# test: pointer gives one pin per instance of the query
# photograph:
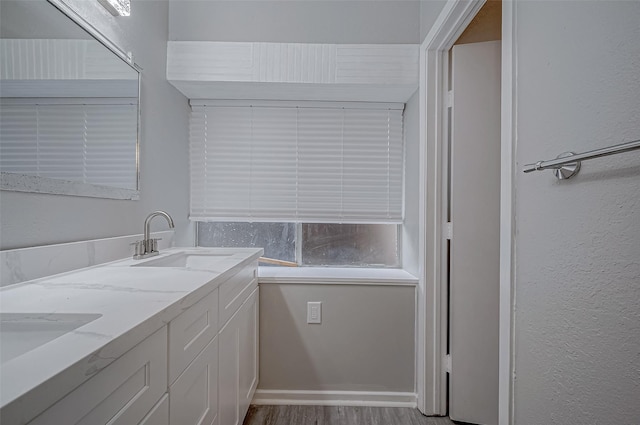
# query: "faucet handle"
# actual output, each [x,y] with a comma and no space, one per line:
[138,247]
[154,244]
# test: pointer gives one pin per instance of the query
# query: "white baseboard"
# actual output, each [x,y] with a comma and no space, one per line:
[335,398]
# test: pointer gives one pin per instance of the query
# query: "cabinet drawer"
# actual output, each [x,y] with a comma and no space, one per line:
[194,395]
[120,394]
[190,332]
[159,415]
[235,290]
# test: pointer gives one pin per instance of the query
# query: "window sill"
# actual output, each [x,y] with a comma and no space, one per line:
[336,276]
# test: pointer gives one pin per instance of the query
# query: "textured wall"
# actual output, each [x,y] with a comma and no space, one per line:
[29,219]
[365,341]
[309,21]
[577,325]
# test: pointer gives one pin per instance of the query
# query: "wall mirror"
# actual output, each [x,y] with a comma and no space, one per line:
[69,106]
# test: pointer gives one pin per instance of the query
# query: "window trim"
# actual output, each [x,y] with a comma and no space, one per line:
[336,276]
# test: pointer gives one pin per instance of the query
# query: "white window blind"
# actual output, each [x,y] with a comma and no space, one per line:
[296,163]
[89,143]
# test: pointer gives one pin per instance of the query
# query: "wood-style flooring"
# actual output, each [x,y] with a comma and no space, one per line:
[338,415]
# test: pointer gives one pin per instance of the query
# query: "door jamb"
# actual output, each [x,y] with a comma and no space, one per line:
[432,306]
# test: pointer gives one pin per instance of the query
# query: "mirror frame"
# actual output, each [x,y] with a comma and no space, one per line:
[34,184]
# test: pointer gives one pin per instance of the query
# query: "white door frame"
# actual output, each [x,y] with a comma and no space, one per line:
[508,139]
[431,365]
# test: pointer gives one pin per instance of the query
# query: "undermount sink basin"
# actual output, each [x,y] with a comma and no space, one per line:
[184,259]
[23,332]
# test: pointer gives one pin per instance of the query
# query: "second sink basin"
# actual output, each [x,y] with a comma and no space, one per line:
[184,259]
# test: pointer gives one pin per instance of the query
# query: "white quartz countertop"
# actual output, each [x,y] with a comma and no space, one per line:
[132,303]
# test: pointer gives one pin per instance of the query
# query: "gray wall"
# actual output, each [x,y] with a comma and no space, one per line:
[34,219]
[311,21]
[364,343]
[429,11]
[577,323]
[36,19]
[410,229]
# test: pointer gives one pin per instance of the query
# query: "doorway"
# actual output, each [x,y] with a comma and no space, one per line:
[450,345]
[473,189]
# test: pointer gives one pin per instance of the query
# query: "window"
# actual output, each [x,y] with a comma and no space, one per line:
[320,244]
[318,184]
[277,239]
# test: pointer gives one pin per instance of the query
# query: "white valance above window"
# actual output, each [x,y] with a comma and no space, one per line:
[297,163]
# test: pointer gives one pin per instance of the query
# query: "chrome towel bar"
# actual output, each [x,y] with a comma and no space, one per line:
[567,164]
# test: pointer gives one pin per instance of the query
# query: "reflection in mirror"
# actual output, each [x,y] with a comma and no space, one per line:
[68,107]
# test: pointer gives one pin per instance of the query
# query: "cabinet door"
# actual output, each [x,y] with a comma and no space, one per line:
[248,337]
[194,395]
[229,373]
[159,415]
[238,362]
[120,394]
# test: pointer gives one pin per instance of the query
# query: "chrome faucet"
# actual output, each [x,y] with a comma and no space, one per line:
[148,247]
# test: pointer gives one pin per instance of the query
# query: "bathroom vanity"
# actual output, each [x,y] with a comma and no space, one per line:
[169,340]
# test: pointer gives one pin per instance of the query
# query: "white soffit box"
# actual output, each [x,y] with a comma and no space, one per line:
[293,71]
[63,68]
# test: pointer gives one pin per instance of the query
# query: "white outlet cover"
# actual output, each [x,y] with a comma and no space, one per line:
[314,312]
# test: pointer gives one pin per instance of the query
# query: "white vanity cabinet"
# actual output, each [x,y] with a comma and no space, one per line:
[200,369]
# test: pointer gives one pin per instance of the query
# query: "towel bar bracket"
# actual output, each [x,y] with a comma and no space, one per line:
[566,171]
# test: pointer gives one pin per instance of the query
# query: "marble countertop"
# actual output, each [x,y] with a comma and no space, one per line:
[133,302]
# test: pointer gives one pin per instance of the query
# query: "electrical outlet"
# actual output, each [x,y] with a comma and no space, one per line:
[314,312]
